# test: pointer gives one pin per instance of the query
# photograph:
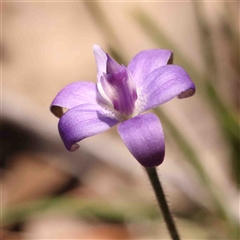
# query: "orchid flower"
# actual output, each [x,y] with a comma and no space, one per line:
[122,95]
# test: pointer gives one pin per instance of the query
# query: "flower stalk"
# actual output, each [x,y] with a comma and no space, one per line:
[158,190]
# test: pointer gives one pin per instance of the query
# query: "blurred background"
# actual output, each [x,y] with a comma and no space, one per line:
[100,191]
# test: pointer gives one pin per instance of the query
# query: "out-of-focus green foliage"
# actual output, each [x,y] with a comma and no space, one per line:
[84,208]
[229,122]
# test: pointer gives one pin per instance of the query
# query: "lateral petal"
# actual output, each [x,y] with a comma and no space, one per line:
[143,136]
[147,61]
[162,85]
[84,121]
[72,95]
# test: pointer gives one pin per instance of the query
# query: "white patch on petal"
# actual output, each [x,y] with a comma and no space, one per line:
[107,105]
[140,103]
[131,83]
[111,112]
[103,94]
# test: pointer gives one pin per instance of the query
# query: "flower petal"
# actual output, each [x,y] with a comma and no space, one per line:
[74,94]
[101,60]
[143,136]
[120,89]
[162,85]
[147,61]
[84,121]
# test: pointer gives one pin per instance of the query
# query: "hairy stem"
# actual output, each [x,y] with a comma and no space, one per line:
[157,187]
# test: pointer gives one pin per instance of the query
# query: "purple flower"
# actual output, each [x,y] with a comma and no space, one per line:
[121,95]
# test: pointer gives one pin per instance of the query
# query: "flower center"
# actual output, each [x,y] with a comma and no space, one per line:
[118,88]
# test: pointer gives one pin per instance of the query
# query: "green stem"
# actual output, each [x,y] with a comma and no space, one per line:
[157,187]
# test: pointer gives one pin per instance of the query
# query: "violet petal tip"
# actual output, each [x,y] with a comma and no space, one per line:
[74,147]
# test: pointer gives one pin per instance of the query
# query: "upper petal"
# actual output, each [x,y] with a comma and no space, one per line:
[143,136]
[162,85]
[101,60]
[72,95]
[120,89]
[84,121]
[147,61]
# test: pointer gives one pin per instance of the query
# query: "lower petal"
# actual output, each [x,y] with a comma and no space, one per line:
[84,121]
[143,136]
